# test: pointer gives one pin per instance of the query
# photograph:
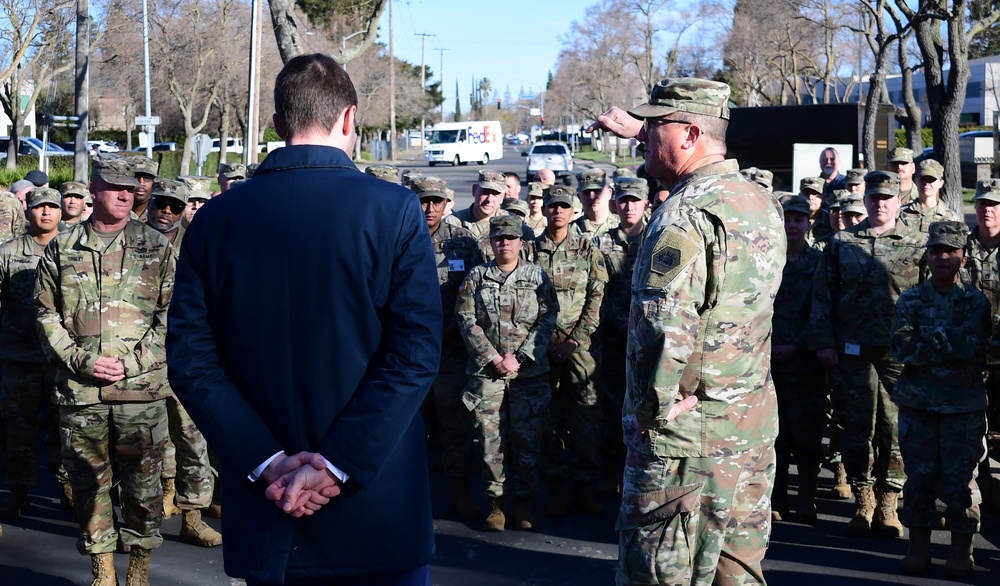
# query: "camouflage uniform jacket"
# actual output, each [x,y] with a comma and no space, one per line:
[480,229]
[910,195]
[537,225]
[93,302]
[589,230]
[502,314]
[620,252]
[13,222]
[456,252]
[791,312]
[576,269]
[982,271]
[700,324]
[857,282]
[917,217]
[940,339]
[820,231]
[19,337]
[144,216]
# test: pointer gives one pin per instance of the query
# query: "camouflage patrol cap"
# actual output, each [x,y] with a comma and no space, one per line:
[622,172]
[43,195]
[117,171]
[430,187]
[882,183]
[233,170]
[388,173]
[591,179]
[761,177]
[930,168]
[171,188]
[988,189]
[450,193]
[853,203]
[815,184]
[199,188]
[74,188]
[837,197]
[506,226]
[560,194]
[251,169]
[631,187]
[900,155]
[515,206]
[685,94]
[411,175]
[145,165]
[492,180]
[795,203]
[536,189]
[856,177]
[950,233]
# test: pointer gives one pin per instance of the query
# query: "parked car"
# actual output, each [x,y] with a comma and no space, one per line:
[233,145]
[550,155]
[158,147]
[102,146]
[32,146]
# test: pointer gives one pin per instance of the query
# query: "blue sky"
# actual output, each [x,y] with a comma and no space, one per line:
[514,43]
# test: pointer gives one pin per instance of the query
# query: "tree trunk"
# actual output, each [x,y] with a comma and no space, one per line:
[290,45]
[912,121]
[875,85]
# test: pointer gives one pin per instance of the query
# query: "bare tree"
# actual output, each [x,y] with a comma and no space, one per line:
[363,13]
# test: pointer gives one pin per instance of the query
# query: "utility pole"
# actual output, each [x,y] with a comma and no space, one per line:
[441,73]
[82,102]
[423,83]
[150,129]
[253,92]
[392,93]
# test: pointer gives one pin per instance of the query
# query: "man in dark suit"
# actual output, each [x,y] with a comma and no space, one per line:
[304,355]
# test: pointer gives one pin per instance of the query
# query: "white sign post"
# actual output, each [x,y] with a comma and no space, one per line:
[149,126]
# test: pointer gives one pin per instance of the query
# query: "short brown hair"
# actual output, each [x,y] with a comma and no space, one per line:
[310,92]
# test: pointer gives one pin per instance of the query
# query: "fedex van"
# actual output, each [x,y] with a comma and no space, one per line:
[460,142]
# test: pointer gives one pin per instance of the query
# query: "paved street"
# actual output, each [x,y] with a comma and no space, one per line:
[39,549]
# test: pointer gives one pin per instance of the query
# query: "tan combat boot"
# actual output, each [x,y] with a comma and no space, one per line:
[138,567]
[584,500]
[889,525]
[960,563]
[66,500]
[523,518]
[17,503]
[194,531]
[861,524]
[918,555]
[496,519]
[461,501]
[841,490]
[103,565]
[169,494]
[558,501]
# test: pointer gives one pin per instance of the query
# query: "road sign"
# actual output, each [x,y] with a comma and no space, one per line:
[147,120]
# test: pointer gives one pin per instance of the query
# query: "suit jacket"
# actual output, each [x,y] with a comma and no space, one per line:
[316,328]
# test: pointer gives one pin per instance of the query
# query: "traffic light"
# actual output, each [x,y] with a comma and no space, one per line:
[543,120]
[498,104]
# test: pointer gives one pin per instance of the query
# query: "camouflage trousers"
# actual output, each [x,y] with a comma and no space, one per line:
[802,419]
[942,454]
[25,388]
[127,438]
[695,521]
[570,446]
[510,418]
[185,458]
[455,422]
[869,443]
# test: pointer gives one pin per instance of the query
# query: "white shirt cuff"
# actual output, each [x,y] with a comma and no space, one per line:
[337,472]
[253,476]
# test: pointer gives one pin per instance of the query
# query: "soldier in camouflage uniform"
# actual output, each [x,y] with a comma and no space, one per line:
[901,163]
[188,481]
[833,210]
[700,414]
[456,252]
[982,271]
[409,176]
[388,173]
[74,202]
[595,195]
[799,378]
[853,210]
[536,217]
[12,220]
[576,269]
[199,192]
[506,311]
[855,181]
[761,177]
[819,229]
[487,195]
[620,248]
[28,379]
[102,294]
[940,334]
[515,207]
[928,208]
[145,173]
[230,172]
[863,271]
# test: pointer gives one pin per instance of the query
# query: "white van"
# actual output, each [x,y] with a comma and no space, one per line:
[460,142]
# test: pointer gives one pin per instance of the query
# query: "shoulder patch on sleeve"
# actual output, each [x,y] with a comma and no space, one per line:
[674,251]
